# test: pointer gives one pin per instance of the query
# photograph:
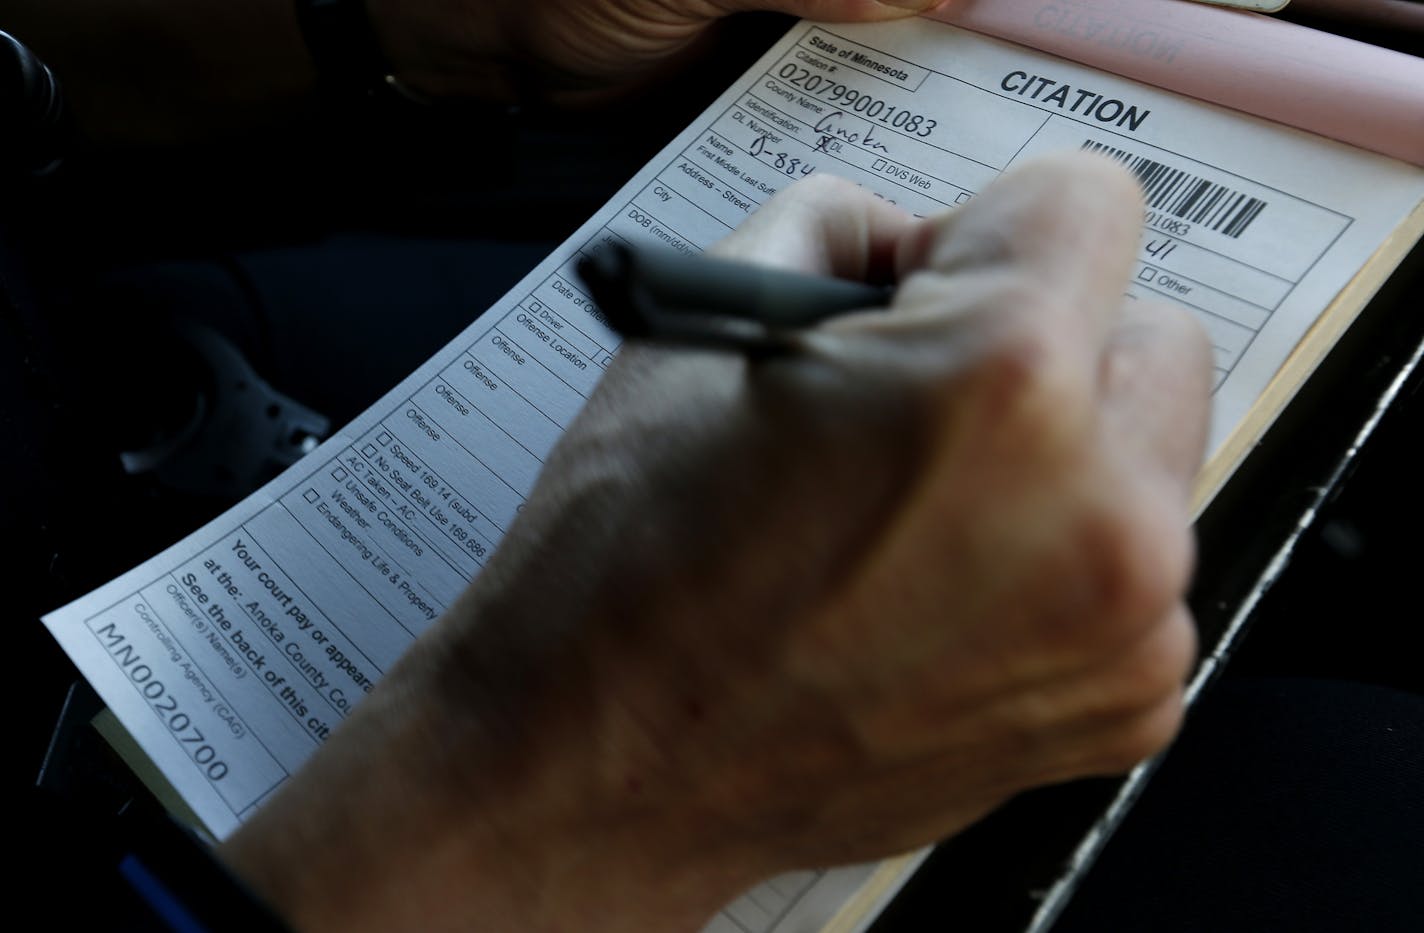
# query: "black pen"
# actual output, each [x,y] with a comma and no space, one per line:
[661,294]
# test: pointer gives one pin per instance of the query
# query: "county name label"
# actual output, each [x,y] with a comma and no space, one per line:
[234,654]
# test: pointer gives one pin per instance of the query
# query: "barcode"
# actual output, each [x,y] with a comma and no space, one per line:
[1187,196]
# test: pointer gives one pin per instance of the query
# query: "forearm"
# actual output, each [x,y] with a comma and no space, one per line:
[484,787]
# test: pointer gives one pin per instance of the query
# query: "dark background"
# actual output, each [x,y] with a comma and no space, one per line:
[271,238]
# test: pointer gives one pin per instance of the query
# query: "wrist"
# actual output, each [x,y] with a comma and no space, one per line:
[574,807]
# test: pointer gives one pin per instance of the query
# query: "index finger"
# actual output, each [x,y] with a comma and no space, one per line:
[1066,227]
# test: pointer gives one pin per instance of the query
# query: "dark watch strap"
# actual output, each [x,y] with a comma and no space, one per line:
[343,46]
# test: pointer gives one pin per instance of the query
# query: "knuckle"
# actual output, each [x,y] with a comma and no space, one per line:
[1153,670]
[1141,736]
[1134,561]
[1023,384]
[964,244]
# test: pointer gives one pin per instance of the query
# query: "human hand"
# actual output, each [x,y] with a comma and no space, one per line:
[800,610]
[573,50]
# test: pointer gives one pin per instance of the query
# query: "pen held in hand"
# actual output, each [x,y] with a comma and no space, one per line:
[663,295]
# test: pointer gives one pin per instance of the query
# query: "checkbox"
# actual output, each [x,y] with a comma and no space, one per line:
[311,495]
[535,306]
[877,165]
[1147,274]
[339,474]
[369,450]
[962,197]
[383,438]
